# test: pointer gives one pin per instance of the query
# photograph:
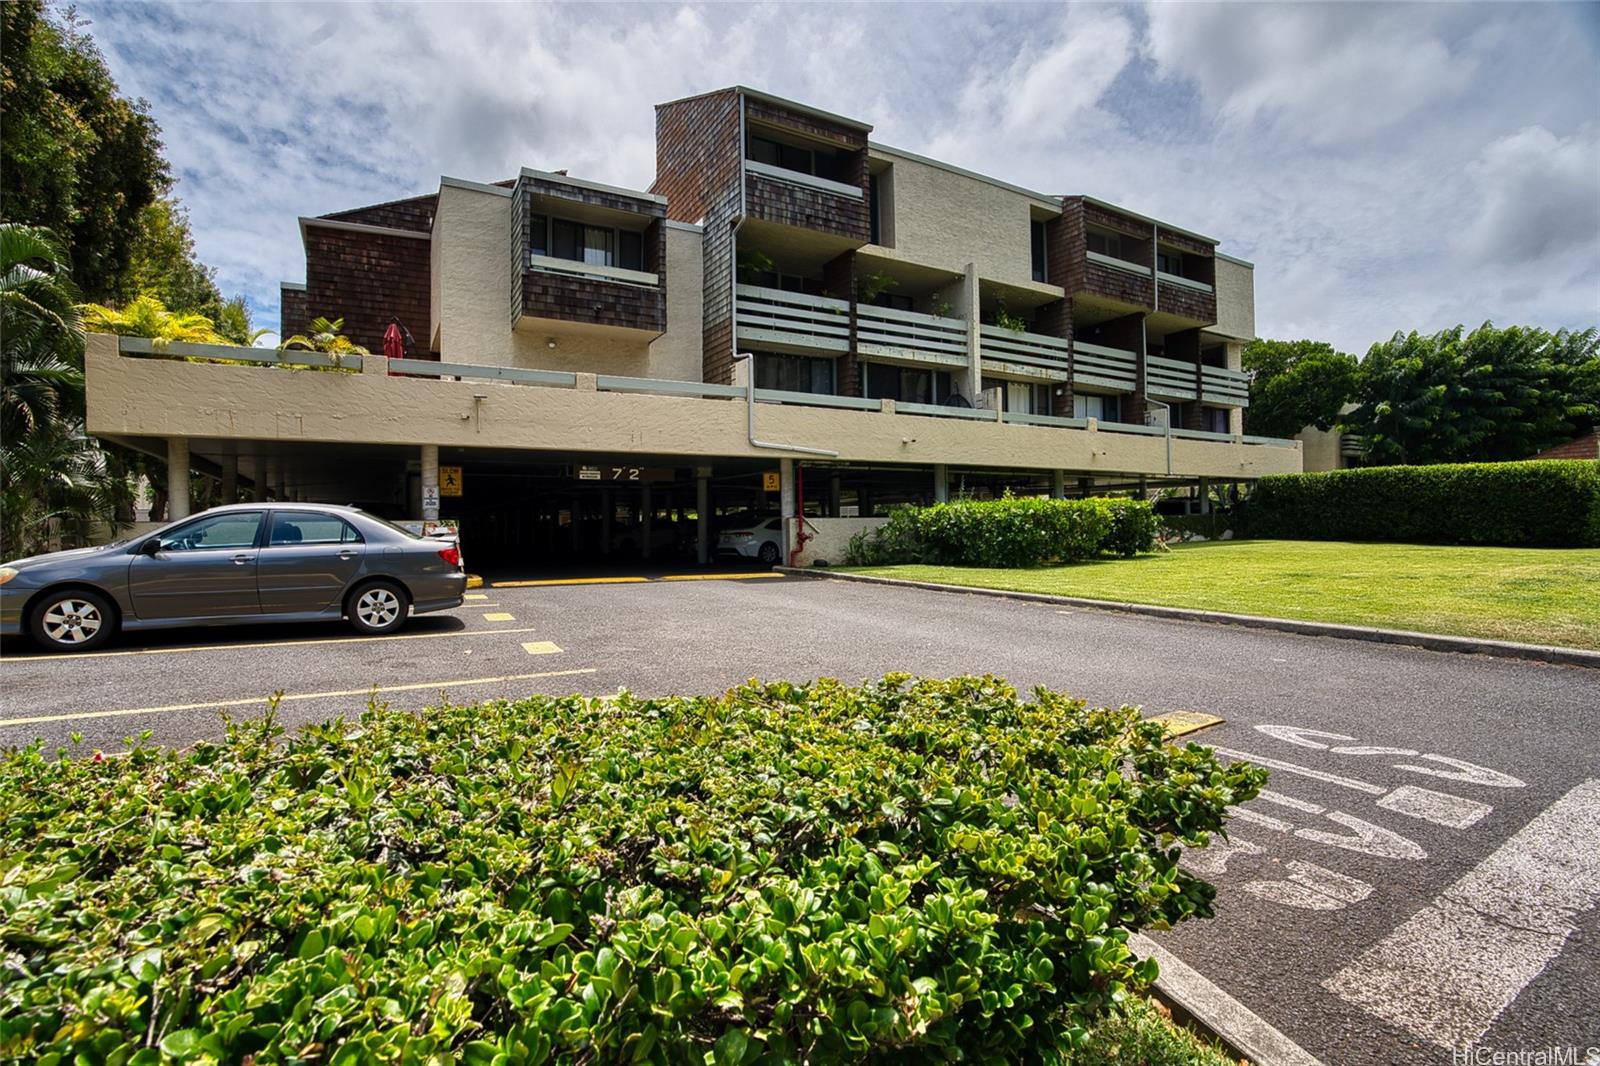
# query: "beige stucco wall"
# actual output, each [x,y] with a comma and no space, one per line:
[472,302]
[1320,449]
[1236,300]
[946,220]
[830,537]
[142,397]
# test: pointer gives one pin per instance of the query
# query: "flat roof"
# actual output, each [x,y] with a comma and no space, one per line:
[1146,218]
[780,101]
[584,183]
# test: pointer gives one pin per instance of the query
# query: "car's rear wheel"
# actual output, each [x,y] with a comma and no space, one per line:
[73,620]
[377,607]
[769,553]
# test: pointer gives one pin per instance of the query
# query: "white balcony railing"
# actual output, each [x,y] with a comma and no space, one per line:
[1032,351]
[883,331]
[808,181]
[1105,368]
[792,319]
[1170,378]
[551,265]
[1223,386]
[1187,283]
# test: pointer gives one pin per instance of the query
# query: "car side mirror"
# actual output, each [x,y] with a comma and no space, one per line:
[150,547]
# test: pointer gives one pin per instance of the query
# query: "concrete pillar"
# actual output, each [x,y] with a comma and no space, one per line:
[968,308]
[786,503]
[230,479]
[1086,486]
[1205,495]
[177,478]
[702,514]
[941,483]
[647,514]
[608,512]
[1058,484]
[430,482]
[835,496]
[258,480]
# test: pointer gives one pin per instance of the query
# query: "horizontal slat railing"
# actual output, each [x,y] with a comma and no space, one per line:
[886,331]
[1169,377]
[1220,385]
[774,316]
[427,368]
[231,353]
[1107,368]
[1029,349]
[940,411]
[665,386]
[816,399]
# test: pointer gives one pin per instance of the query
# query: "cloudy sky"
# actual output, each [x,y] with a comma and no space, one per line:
[1386,167]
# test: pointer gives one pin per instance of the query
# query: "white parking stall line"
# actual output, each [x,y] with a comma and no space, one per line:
[1447,972]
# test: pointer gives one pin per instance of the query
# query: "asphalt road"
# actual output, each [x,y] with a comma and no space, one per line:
[1424,872]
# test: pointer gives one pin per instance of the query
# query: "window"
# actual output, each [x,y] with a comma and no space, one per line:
[773,279]
[820,162]
[877,226]
[896,301]
[1102,408]
[1170,262]
[1020,397]
[310,527]
[885,382]
[794,373]
[1039,265]
[562,238]
[1103,243]
[1215,419]
[235,529]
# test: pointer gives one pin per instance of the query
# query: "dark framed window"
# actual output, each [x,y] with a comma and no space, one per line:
[794,373]
[877,226]
[1104,243]
[1215,419]
[895,301]
[539,234]
[901,383]
[563,238]
[820,162]
[1170,262]
[630,250]
[1039,265]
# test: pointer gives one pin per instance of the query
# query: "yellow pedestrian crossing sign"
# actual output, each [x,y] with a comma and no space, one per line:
[449,481]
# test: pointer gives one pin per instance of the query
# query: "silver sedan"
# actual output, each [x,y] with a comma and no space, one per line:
[237,564]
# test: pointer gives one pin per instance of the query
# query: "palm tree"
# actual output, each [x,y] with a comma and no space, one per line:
[41,359]
[54,480]
[325,337]
[148,317]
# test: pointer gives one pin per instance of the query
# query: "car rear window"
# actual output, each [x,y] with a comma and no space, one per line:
[311,527]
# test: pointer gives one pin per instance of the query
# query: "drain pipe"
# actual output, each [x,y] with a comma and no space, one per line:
[800,535]
[1167,408]
[750,414]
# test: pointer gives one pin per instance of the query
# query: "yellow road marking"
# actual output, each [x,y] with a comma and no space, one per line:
[474,581]
[567,581]
[499,616]
[476,596]
[354,639]
[1180,723]
[539,647]
[40,718]
[718,577]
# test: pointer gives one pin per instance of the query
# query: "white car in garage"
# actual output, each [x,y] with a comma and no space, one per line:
[763,540]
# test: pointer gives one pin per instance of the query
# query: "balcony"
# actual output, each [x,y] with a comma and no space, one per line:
[1223,387]
[1171,379]
[1186,298]
[797,200]
[791,321]
[1027,354]
[911,336]
[1120,280]
[1099,367]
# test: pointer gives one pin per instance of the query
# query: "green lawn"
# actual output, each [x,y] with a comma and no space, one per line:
[1536,595]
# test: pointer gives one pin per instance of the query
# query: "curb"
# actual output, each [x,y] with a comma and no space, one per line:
[1503,649]
[1230,1021]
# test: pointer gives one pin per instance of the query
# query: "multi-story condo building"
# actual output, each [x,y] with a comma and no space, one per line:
[578,356]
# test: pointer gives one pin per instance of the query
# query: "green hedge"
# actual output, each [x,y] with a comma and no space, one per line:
[1544,504]
[1007,533]
[921,871]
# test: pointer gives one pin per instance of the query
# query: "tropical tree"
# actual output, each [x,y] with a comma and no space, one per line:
[55,482]
[233,323]
[146,316]
[1295,384]
[324,336]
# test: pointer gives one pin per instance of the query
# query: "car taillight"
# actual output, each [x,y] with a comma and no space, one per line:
[451,556]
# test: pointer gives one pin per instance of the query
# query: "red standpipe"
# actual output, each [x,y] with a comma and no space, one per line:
[801,536]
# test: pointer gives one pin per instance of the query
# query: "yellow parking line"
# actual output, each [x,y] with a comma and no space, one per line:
[499,616]
[718,577]
[354,639]
[567,581]
[40,718]
[1180,723]
[476,596]
[540,647]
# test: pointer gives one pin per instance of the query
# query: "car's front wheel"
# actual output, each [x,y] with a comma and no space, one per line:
[377,607]
[73,620]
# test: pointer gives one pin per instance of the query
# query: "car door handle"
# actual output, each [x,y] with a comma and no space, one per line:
[240,560]
[347,554]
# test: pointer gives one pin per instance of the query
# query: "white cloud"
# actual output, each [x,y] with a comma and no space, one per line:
[1386,167]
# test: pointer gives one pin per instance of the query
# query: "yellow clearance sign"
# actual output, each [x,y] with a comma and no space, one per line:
[769,481]
[450,481]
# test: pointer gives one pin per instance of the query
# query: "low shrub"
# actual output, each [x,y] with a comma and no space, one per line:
[1541,504]
[908,870]
[1007,533]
